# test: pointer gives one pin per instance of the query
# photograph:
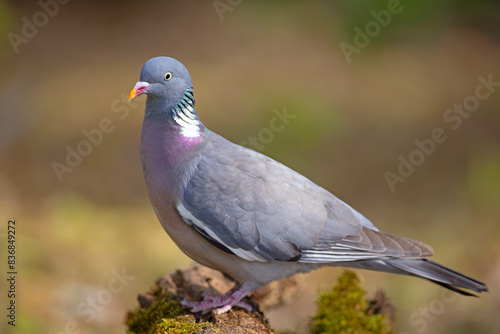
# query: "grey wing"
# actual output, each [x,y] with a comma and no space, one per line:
[248,204]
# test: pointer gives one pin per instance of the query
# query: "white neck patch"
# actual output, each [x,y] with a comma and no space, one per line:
[185,116]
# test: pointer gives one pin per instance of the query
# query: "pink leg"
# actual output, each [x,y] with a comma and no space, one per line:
[226,302]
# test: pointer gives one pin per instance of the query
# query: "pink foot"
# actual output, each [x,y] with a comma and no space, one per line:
[225,303]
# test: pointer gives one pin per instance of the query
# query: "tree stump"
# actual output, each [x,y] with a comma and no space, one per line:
[160,310]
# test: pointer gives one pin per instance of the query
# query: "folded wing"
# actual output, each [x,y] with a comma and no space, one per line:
[260,210]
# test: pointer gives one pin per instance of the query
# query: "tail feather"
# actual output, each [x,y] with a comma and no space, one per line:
[438,274]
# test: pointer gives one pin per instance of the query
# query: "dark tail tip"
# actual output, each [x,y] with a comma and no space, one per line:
[439,274]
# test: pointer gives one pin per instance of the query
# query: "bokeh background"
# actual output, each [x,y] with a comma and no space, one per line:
[353,118]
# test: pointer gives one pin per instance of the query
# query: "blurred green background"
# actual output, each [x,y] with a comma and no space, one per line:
[353,119]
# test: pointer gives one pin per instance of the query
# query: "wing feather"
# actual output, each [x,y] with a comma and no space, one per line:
[261,210]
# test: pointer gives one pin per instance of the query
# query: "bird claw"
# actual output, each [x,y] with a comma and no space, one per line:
[226,308]
[206,306]
[221,304]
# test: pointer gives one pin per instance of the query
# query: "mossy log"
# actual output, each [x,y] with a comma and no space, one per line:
[342,308]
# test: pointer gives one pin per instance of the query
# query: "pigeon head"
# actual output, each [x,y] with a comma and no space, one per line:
[165,81]
[169,88]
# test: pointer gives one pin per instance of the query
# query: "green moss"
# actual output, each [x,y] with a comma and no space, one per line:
[344,310]
[181,324]
[164,316]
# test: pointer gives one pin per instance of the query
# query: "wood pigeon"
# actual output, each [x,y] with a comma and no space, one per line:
[247,215]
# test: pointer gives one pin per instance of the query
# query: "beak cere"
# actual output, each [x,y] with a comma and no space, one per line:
[139,89]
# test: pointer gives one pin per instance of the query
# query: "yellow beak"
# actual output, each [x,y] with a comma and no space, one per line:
[132,95]
[139,89]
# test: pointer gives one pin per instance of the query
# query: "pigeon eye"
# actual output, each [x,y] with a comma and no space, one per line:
[168,76]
